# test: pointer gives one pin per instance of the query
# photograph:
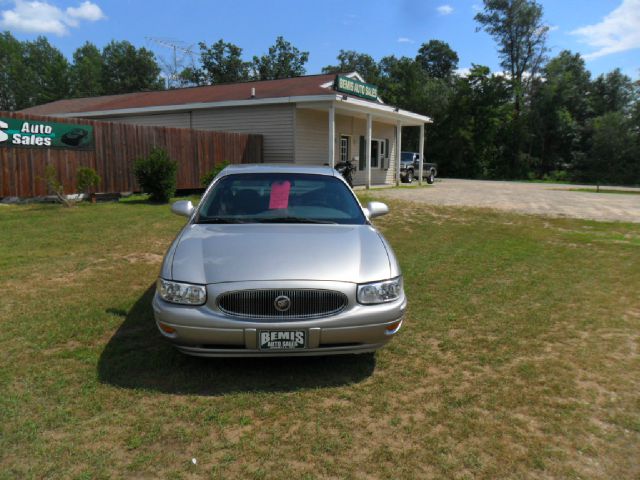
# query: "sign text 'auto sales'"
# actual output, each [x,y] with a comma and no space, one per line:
[15,132]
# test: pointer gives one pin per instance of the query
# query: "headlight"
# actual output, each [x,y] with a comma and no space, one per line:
[380,292]
[182,293]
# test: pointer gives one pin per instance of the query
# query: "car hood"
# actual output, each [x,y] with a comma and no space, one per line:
[230,253]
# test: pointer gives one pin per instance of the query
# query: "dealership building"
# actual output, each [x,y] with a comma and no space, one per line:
[310,120]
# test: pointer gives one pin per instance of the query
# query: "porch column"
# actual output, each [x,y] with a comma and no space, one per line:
[398,150]
[368,150]
[332,135]
[421,154]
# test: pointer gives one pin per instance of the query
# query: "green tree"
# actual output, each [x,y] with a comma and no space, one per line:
[221,63]
[635,111]
[468,139]
[615,149]
[282,61]
[46,73]
[402,82]
[127,69]
[13,94]
[613,92]
[352,61]
[86,71]
[437,59]
[517,27]
[560,109]
[190,76]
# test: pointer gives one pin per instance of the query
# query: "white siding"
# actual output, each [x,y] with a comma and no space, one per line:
[274,122]
[290,135]
[312,136]
[177,120]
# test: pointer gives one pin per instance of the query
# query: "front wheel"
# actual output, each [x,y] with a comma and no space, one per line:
[431,178]
[408,177]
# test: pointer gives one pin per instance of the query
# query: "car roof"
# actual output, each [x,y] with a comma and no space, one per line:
[278,168]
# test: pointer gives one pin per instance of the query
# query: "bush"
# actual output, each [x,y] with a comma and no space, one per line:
[157,175]
[557,176]
[208,178]
[55,187]
[88,178]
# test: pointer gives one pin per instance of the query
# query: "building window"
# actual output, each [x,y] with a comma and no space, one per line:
[345,148]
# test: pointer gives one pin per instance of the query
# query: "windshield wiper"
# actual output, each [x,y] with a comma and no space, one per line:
[219,220]
[293,220]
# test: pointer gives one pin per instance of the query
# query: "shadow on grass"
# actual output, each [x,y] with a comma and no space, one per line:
[138,201]
[138,357]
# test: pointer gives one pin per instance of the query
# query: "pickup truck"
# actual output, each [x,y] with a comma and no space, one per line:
[409,167]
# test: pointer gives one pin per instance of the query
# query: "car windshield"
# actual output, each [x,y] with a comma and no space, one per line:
[406,157]
[280,198]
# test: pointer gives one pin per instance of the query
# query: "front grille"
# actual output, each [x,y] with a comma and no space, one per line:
[304,303]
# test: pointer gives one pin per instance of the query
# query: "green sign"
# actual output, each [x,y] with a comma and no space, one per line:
[17,132]
[356,87]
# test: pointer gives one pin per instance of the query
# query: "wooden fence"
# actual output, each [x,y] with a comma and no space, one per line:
[117,145]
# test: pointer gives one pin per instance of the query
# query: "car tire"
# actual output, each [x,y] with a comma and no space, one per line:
[408,178]
[431,178]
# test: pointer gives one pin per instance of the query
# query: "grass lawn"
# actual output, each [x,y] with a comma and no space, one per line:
[519,358]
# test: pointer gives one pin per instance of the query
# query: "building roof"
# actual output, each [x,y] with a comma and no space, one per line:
[286,87]
[311,89]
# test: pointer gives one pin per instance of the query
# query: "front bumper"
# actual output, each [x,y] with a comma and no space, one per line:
[403,172]
[208,332]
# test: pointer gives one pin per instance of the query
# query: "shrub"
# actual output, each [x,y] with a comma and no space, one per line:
[557,176]
[87,178]
[157,175]
[55,187]
[208,178]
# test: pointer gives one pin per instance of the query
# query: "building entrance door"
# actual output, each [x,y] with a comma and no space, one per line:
[375,153]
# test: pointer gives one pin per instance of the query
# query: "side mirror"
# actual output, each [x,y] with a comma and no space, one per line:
[377,209]
[183,207]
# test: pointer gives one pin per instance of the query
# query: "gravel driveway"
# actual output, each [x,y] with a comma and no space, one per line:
[534,198]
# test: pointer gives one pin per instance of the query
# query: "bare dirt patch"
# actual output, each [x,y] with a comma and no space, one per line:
[530,198]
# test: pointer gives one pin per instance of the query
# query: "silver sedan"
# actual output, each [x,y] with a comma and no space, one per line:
[279,260]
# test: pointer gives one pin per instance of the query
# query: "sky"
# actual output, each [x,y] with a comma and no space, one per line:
[605,32]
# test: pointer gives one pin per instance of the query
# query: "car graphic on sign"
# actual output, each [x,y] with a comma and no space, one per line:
[74,137]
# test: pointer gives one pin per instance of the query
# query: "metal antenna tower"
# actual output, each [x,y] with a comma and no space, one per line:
[177,62]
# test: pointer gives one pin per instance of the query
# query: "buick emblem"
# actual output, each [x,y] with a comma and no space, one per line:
[282,303]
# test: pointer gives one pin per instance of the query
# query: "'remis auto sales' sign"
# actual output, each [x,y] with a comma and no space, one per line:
[18,132]
[355,87]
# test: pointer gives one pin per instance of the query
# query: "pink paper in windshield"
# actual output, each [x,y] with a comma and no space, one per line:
[279,197]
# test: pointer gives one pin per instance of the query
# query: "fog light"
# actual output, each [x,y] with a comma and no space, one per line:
[393,328]
[167,328]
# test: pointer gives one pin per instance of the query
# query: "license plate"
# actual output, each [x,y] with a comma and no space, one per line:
[282,339]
